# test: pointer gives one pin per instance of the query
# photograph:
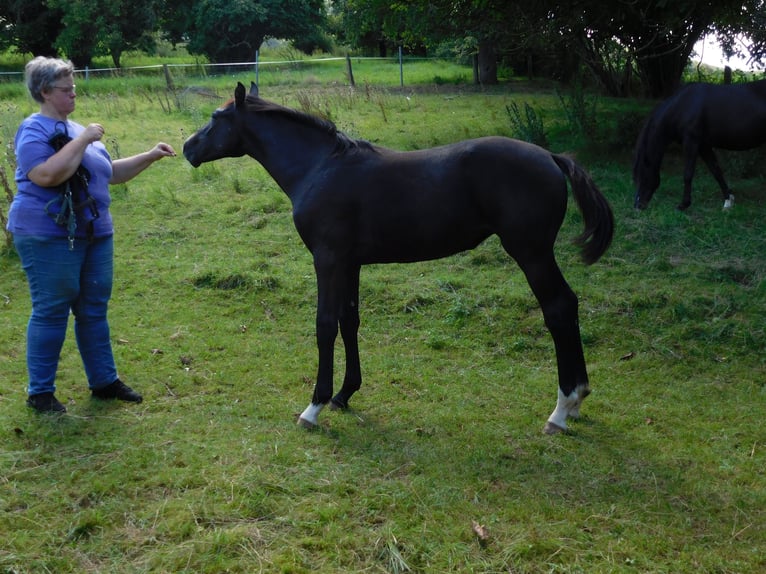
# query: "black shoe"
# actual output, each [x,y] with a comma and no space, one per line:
[117,390]
[45,403]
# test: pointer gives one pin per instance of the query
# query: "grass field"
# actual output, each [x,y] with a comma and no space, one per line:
[440,465]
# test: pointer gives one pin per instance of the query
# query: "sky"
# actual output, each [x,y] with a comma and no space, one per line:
[711,54]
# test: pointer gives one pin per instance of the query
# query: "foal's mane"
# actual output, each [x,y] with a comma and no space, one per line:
[343,143]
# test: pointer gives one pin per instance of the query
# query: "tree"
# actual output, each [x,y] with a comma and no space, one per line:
[743,32]
[175,19]
[30,26]
[79,35]
[485,22]
[231,30]
[482,23]
[653,37]
[361,24]
[94,28]
[646,40]
[131,26]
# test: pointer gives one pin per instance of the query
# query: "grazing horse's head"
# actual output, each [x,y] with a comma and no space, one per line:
[646,177]
[221,137]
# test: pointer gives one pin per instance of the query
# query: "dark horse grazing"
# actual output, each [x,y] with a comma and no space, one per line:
[700,117]
[355,203]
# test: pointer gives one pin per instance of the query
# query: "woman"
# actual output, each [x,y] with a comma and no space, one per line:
[68,260]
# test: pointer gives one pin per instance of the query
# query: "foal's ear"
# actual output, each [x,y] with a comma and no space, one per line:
[239,95]
[253,89]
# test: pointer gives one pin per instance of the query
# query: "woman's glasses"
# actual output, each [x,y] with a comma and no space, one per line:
[65,89]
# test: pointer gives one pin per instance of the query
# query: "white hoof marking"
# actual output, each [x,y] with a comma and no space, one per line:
[729,203]
[566,407]
[310,416]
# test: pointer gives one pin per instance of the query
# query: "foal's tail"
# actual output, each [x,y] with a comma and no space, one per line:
[596,212]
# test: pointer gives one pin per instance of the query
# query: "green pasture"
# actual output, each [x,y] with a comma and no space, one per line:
[441,464]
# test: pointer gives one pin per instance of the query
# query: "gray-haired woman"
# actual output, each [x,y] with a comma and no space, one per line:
[62,230]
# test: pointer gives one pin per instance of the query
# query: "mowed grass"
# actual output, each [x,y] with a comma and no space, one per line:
[440,465]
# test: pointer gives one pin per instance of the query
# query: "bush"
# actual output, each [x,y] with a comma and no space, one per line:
[527,126]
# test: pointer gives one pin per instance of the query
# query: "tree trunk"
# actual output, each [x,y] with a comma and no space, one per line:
[487,63]
[661,75]
[662,65]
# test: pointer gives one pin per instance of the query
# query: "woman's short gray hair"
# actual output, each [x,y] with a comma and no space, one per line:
[41,73]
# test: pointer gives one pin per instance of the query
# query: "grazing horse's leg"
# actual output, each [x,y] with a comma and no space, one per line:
[711,160]
[691,151]
[330,282]
[559,306]
[349,330]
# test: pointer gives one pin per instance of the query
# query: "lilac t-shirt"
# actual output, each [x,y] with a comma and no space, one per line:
[27,215]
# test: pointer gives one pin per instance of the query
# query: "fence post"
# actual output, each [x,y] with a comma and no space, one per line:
[349,71]
[256,67]
[401,68]
[168,78]
[727,75]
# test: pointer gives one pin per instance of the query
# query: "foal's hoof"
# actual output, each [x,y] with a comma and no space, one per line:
[553,428]
[303,423]
[338,405]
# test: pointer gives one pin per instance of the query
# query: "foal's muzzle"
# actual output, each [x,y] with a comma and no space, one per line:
[189,154]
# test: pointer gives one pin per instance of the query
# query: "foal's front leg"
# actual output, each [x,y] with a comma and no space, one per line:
[329,293]
[349,331]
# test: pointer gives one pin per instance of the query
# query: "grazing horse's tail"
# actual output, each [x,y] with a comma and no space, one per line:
[596,212]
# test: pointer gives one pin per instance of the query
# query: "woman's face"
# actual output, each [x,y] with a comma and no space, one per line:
[60,95]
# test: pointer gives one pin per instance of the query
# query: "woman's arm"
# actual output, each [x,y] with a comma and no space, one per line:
[61,165]
[127,168]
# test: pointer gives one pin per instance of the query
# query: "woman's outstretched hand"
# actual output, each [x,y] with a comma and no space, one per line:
[162,150]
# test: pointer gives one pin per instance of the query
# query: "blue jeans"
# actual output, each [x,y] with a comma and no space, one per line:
[63,280]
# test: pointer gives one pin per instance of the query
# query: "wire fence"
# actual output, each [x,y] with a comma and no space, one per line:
[345,66]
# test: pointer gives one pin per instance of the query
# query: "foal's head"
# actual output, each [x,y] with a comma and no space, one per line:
[221,136]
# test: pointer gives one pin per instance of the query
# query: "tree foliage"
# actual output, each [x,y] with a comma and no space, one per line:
[621,42]
[222,30]
[624,44]
[95,28]
[653,38]
[742,32]
[232,30]
[30,26]
[480,24]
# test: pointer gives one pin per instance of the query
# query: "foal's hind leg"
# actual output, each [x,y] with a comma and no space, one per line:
[559,306]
